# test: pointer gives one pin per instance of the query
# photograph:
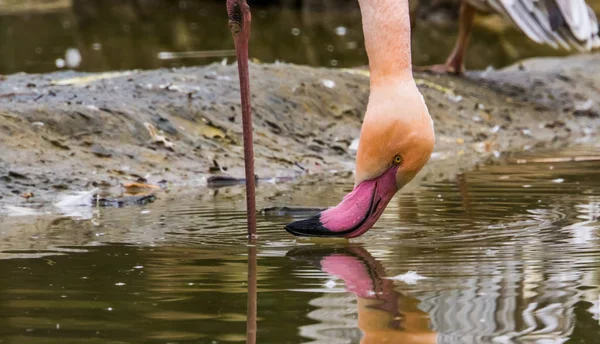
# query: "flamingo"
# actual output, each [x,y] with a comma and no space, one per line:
[558,23]
[397,135]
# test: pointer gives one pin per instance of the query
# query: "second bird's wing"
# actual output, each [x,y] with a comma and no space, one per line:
[558,23]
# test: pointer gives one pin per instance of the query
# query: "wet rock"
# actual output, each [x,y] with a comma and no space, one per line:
[165,125]
[100,151]
[124,201]
[555,124]
[223,181]
[17,175]
[590,113]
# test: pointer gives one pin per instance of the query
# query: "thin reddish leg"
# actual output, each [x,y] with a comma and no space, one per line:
[456,60]
[455,63]
[239,23]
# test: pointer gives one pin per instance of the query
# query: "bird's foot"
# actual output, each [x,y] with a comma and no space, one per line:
[440,69]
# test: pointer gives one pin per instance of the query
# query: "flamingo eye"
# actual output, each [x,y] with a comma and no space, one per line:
[397,160]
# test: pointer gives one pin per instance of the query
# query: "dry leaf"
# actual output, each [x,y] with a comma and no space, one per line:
[211,132]
[136,188]
[28,195]
[157,138]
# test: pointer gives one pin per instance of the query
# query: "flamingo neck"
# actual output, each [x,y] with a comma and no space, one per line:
[386,26]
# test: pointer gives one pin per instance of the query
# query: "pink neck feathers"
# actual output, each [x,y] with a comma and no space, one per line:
[386,26]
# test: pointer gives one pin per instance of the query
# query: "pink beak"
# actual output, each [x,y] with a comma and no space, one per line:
[357,212]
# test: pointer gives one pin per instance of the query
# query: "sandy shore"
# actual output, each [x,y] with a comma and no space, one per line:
[68,131]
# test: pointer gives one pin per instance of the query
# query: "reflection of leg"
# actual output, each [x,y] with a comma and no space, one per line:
[455,62]
[407,208]
[461,182]
[252,306]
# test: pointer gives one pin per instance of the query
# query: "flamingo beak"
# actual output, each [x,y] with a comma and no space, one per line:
[356,214]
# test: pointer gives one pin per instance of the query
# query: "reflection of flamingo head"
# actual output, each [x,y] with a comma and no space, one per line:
[384,315]
[362,274]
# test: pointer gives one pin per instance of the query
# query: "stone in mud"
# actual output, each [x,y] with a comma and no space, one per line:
[124,201]
[100,151]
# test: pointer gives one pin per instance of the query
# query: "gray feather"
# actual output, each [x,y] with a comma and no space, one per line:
[558,23]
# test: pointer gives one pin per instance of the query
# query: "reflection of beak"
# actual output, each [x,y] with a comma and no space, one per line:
[357,212]
[363,275]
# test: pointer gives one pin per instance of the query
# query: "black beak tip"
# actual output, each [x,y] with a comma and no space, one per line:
[311,227]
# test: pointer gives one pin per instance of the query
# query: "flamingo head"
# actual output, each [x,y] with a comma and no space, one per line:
[396,141]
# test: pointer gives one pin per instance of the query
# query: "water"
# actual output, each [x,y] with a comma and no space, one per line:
[109,35]
[509,253]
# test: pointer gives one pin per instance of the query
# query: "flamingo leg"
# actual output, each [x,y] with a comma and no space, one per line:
[239,23]
[455,64]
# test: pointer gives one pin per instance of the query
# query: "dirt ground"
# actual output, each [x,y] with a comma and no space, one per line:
[68,131]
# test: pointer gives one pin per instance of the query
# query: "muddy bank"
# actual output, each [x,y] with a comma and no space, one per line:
[69,131]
